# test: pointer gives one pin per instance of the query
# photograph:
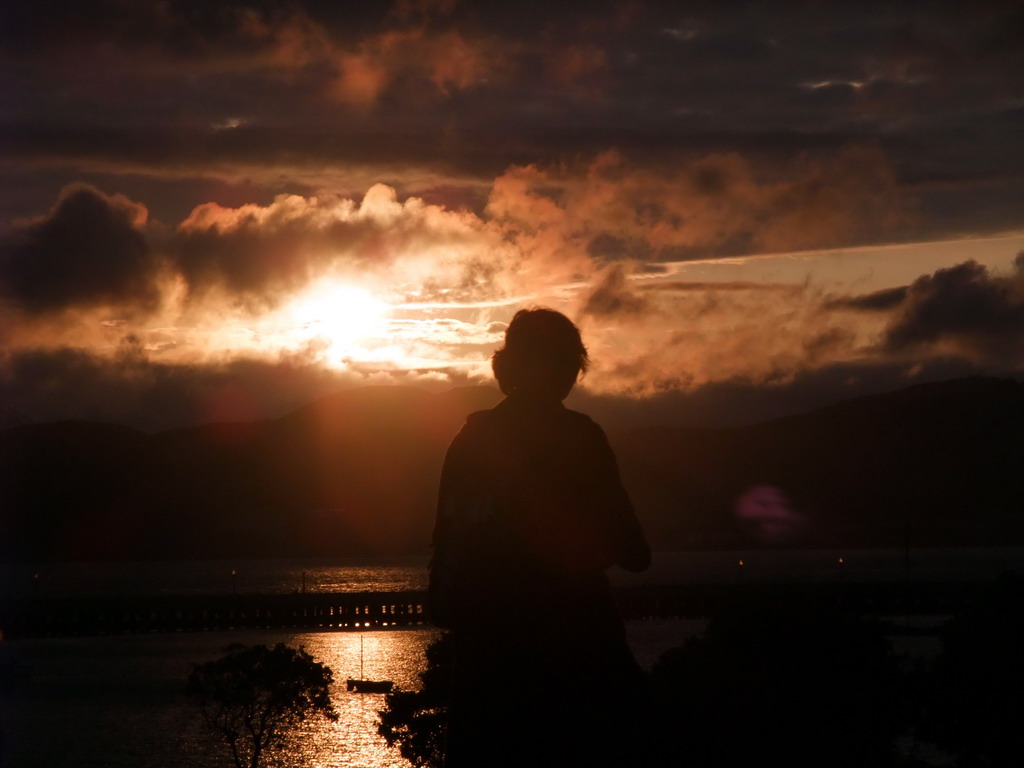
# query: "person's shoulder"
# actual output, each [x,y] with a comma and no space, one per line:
[582,422]
[472,440]
[577,416]
[477,424]
[480,419]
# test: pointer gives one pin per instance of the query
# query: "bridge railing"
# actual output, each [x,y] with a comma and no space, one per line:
[341,611]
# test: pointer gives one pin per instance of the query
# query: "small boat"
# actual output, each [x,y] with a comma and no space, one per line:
[370,686]
[362,685]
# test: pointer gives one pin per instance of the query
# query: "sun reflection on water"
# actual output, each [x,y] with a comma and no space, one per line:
[121,699]
[353,740]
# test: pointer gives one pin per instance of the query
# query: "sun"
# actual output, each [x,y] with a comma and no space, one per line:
[345,317]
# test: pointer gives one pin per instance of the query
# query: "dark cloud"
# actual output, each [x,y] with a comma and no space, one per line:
[606,248]
[965,306]
[876,301]
[613,295]
[701,286]
[254,258]
[738,401]
[819,346]
[278,93]
[47,385]
[90,250]
[964,309]
[129,388]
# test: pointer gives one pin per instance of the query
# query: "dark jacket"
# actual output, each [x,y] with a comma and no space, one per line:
[531,512]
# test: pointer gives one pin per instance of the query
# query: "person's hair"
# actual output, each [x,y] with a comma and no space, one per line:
[543,354]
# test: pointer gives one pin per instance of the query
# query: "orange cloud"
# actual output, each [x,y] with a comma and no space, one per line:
[447,60]
[572,235]
[716,205]
[682,341]
[361,78]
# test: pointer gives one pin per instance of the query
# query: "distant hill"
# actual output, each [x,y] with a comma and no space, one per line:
[356,473]
[12,417]
[941,462]
[352,473]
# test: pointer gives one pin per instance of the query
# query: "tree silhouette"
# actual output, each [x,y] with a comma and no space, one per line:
[807,687]
[253,696]
[973,697]
[416,720]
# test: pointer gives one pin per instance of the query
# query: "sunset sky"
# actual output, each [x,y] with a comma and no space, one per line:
[224,210]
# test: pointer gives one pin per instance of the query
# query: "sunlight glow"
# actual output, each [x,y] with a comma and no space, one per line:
[349,326]
[344,317]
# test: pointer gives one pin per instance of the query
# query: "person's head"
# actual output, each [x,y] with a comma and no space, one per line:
[542,357]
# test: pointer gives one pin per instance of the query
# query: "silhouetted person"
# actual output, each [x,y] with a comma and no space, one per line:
[531,513]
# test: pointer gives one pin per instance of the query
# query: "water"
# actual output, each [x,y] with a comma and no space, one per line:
[206,577]
[945,564]
[119,702]
[354,575]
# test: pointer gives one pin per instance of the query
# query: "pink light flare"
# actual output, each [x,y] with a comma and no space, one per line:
[766,510]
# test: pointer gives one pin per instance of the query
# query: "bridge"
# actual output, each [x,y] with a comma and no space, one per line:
[353,611]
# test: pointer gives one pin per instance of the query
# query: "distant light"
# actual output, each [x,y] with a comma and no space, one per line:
[681,33]
[741,562]
[816,85]
[228,124]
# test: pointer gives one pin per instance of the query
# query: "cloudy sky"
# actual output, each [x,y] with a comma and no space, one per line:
[223,210]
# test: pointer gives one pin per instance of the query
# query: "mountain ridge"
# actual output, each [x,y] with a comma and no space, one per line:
[355,472]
